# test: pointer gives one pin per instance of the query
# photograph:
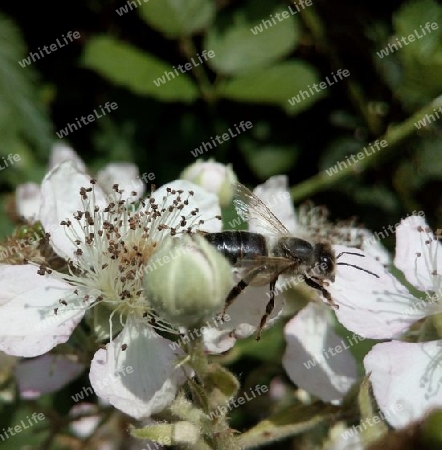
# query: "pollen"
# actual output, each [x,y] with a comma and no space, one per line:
[112,244]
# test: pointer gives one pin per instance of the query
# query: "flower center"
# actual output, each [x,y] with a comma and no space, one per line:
[113,245]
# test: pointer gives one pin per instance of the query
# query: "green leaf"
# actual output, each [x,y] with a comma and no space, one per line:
[422,58]
[238,49]
[177,18]
[23,121]
[410,19]
[221,379]
[274,85]
[129,67]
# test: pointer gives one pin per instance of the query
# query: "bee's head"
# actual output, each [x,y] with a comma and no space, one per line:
[325,261]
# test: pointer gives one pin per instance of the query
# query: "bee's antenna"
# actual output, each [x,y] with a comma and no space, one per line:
[349,253]
[353,265]
[356,267]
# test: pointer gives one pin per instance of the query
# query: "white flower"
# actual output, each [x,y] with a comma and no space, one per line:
[28,195]
[407,376]
[406,379]
[316,358]
[372,302]
[108,247]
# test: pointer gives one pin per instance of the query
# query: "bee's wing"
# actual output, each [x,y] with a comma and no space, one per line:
[269,268]
[253,210]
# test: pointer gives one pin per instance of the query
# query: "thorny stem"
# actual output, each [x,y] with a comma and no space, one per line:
[394,135]
[222,437]
[198,358]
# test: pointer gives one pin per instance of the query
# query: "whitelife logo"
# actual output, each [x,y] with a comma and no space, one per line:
[220,139]
[53,47]
[184,68]
[391,47]
[341,74]
[86,120]
[112,378]
[422,123]
[18,428]
[267,23]
[333,351]
[234,403]
[355,158]
[11,158]
[369,422]
[129,7]
[189,336]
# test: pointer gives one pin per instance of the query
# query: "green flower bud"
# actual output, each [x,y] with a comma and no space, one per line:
[212,176]
[189,281]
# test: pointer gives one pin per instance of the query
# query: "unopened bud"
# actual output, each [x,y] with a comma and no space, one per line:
[189,281]
[214,177]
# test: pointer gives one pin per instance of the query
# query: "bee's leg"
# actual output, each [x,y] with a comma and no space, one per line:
[236,290]
[269,309]
[324,291]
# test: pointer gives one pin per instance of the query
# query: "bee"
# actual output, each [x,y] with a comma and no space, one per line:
[265,257]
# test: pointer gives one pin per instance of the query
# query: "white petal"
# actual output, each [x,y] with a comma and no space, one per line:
[27,200]
[60,199]
[123,174]
[242,318]
[28,324]
[316,358]
[205,201]
[406,379]
[276,196]
[418,254]
[62,152]
[45,374]
[372,246]
[143,379]
[373,307]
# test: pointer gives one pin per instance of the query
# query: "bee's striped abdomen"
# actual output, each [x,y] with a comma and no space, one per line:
[237,245]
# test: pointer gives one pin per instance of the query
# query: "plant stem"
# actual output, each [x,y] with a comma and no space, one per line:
[394,135]
[204,84]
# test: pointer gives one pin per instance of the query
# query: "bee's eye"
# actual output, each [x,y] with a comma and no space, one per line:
[326,264]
